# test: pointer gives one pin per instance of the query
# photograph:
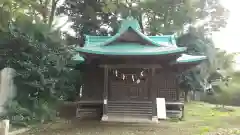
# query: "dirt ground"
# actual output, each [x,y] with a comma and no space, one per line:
[200,119]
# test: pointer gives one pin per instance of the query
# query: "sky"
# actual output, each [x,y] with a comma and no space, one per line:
[228,37]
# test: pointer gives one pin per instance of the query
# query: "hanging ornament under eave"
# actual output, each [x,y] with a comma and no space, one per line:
[133,78]
[123,77]
[116,73]
[138,81]
[142,74]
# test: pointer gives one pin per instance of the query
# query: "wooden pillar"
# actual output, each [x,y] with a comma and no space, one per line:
[105,95]
[153,96]
[177,83]
[178,93]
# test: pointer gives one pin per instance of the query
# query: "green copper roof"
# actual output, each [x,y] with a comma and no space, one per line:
[131,41]
[130,49]
[106,45]
[167,40]
[189,58]
[183,59]
[78,58]
[130,22]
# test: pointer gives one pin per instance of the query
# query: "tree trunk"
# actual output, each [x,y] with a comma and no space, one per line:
[186,95]
[194,95]
[141,23]
[52,12]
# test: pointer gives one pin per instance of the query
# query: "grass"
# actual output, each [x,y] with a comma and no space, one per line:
[200,119]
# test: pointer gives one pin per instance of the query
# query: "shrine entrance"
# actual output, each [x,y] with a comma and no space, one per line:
[128,85]
[128,92]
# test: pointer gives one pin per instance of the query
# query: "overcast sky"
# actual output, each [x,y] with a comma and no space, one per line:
[228,38]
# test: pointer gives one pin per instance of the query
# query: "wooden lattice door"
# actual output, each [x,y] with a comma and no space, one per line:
[165,83]
[127,90]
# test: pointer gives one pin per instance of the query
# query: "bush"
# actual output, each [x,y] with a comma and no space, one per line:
[222,98]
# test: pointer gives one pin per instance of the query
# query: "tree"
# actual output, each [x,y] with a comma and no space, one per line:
[45,9]
[160,16]
[88,18]
[198,44]
[39,55]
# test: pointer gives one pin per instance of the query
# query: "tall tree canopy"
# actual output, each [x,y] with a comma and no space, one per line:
[158,16]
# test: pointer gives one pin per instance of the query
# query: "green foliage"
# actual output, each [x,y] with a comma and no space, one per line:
[223,98]
[88,16]
[166,17]
[200,76]
[222,93]
[225,60]
[195,78]
[39,56]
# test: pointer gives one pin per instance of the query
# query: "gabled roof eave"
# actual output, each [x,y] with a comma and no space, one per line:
[197,59]
[125,29]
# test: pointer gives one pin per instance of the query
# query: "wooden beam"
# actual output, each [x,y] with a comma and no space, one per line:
[153,93]
[105,95]
[132,66]
[177,81]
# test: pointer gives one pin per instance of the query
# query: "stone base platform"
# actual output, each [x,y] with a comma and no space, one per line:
[128,119]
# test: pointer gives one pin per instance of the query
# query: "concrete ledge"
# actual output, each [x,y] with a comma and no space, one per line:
[155,119]
[128,119]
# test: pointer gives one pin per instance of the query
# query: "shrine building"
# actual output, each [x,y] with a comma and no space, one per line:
[124,74]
